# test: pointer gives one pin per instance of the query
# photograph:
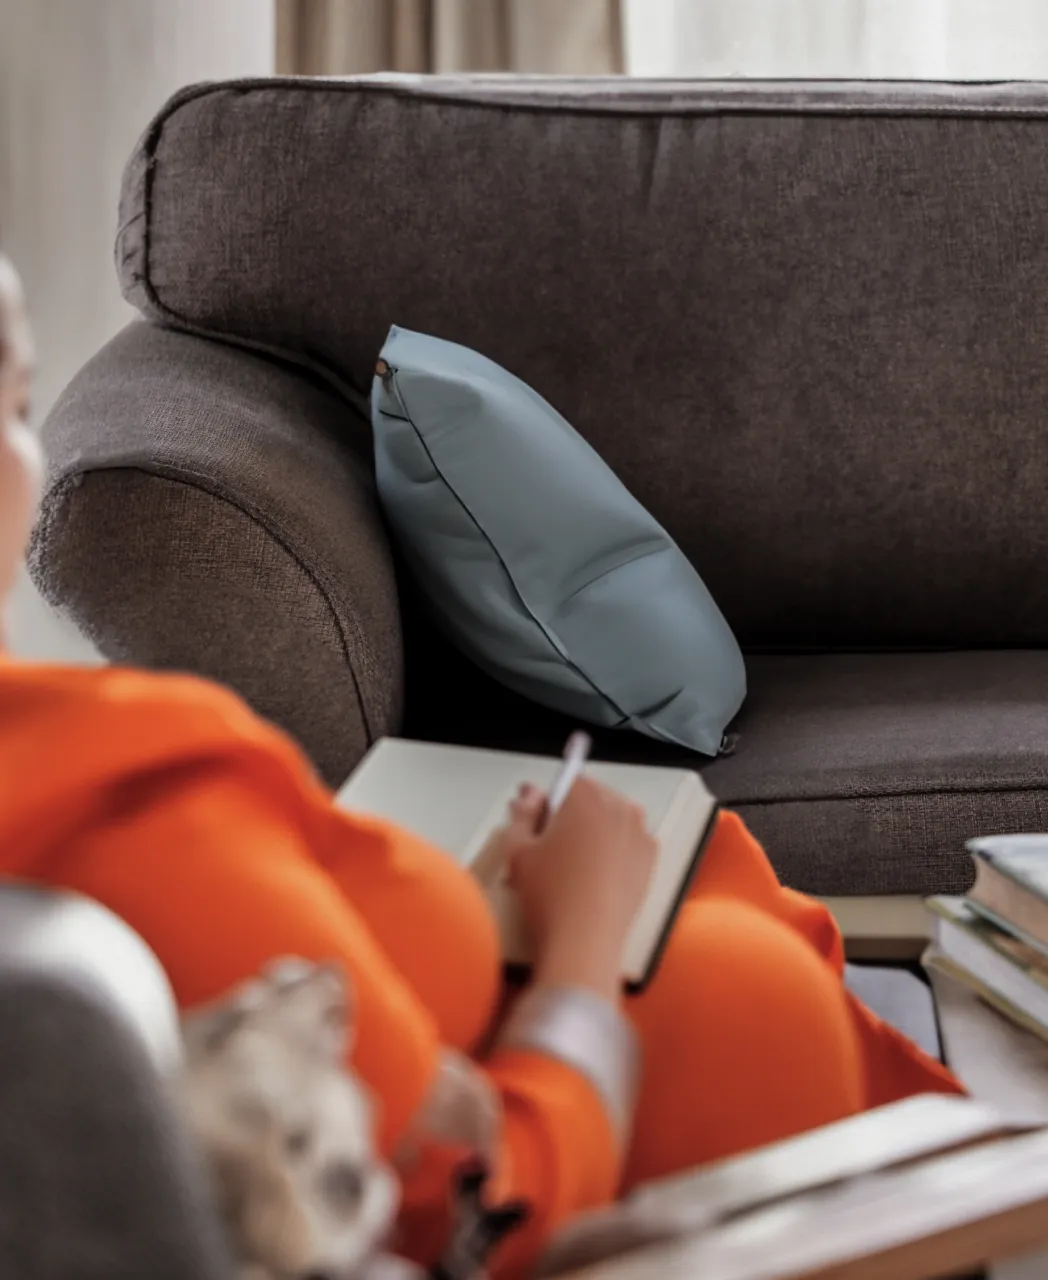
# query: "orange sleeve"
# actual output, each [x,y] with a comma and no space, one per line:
[557,1152]
[166,800]
[560,1152]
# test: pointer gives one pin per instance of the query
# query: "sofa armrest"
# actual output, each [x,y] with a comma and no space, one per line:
[64,935]
[212,510]
[99,1178]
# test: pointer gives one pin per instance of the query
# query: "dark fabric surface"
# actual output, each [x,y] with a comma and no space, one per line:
[805,325]
[97,1180]
[204,514]
[862,773]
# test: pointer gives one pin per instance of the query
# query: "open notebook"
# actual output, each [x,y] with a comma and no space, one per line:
[456,796]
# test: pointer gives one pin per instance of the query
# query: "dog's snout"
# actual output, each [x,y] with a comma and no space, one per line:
[342,1184]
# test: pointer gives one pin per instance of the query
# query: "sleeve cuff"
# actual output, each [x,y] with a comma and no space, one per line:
[584,1032]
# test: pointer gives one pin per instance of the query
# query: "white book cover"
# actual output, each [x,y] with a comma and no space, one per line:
[455,797]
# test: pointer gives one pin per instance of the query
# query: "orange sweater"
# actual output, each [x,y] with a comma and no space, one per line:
[166,799]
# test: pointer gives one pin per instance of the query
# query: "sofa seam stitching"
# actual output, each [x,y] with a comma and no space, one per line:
[940,790]
[306,84]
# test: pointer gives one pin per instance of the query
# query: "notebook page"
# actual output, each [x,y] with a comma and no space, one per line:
[454,796]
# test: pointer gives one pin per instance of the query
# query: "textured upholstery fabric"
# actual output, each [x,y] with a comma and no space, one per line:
[832,304]
[866,773]
[97,1178]
[804,324]
[211,519]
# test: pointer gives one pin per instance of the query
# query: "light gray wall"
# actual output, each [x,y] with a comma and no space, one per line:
[79,81]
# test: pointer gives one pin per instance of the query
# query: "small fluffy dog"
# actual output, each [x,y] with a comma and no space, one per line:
[286,1130]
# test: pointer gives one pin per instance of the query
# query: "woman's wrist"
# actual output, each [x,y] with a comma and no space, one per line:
[587,1032]
[580,961]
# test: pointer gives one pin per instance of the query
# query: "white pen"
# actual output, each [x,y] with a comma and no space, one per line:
[576,753]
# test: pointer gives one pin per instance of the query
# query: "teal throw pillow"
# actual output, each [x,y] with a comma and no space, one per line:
[535,558]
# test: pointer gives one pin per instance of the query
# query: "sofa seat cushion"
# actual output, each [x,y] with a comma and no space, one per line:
[861,773]
[866,773]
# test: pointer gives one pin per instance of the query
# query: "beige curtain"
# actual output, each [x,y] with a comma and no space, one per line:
[347,37]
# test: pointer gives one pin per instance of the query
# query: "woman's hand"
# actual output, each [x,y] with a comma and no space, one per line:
[580,882]
[462,1109]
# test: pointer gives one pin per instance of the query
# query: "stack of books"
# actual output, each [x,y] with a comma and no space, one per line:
[995,940]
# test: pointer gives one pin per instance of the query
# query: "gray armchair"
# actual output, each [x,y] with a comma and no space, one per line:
[71,939]
[97,1178]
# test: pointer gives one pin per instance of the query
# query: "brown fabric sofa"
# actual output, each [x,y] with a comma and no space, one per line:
[806,324]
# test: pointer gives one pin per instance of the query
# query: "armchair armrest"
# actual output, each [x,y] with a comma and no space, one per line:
[99,1176]
[212,510]
[68,937]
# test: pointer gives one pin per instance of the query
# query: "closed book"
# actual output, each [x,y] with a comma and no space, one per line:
[1011,884]
[1004,971]
[456,797]
[934,962]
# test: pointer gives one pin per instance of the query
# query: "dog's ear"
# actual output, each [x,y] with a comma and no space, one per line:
[206,1029]
[314,1006]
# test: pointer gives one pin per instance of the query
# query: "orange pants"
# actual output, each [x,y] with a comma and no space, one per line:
[748,1033]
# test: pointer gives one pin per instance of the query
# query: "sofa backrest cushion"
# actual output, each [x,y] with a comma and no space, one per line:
[806,325]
